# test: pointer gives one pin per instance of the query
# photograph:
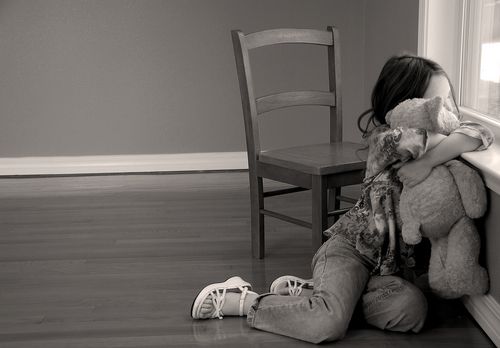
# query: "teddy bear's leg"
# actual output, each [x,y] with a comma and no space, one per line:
[471,188]
[464,273]
[437,276]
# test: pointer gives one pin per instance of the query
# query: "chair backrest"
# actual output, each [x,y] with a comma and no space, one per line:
[254,106]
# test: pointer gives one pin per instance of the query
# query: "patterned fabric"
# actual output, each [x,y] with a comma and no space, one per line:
[373,224]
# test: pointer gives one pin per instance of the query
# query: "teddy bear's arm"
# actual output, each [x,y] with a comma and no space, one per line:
[471,188]
[410,229]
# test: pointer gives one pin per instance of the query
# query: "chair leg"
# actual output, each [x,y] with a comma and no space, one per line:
[334,203]
[257,219]
[319,210]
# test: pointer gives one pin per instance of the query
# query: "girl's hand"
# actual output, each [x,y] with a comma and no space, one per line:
[414,172]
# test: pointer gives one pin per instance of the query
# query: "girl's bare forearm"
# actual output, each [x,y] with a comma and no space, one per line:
[448,148]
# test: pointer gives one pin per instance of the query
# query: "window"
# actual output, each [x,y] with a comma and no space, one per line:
[463,36]
[481,60]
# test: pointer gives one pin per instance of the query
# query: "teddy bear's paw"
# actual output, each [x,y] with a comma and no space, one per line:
[440,284]
[447,294]
[474,282]
[411,233]
[412,239]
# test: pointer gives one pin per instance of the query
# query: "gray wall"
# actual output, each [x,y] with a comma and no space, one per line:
[113,77]
[391,28]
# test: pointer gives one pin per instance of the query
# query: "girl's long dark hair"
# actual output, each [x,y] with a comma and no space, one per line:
[402,77]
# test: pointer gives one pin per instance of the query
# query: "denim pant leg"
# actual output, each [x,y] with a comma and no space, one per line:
[392,303]
[340,275]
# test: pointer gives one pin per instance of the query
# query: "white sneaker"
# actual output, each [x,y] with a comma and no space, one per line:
[293,283]
[218,292]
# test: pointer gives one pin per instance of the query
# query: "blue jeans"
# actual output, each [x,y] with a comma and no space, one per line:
[341,279]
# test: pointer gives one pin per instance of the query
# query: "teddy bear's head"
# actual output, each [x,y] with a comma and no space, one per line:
[430,114]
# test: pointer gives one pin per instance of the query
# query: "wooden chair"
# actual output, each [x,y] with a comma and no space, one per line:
[319,167]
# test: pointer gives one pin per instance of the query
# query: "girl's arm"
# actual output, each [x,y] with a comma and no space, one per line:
[442,149]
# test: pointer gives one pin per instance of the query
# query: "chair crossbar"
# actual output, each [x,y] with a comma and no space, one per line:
[284,191]
[338,212]
[286,218]
[294,98]
[299,222]
[281,36]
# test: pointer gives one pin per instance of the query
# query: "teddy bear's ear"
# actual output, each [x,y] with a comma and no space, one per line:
[434,105]
[443,121]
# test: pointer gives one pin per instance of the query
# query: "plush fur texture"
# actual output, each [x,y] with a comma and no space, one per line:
[442,207]
[428,114]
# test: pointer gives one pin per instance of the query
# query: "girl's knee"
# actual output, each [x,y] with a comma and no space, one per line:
[394,304]
[414,311]
[330,324]
[328,329]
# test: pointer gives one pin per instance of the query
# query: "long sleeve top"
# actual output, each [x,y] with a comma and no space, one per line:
[390,253]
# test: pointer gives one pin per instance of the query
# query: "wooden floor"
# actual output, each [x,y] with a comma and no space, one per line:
[115,261]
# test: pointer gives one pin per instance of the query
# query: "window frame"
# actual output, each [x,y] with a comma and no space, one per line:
[442,29]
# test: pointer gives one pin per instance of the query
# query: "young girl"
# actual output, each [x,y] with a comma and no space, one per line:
[320,309]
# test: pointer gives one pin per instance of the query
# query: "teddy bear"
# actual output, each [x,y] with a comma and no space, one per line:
[441,207]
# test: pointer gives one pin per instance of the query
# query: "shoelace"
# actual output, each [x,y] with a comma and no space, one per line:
[294,287]
[219,297]
[244,292]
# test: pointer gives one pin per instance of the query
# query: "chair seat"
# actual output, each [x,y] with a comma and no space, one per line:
[318,159]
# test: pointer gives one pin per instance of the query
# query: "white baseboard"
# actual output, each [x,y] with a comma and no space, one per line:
[486,311]
[61,165]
